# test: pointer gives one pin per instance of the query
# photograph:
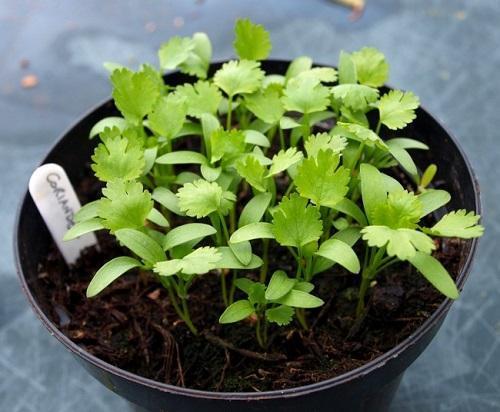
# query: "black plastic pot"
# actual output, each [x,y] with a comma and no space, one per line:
[368,388]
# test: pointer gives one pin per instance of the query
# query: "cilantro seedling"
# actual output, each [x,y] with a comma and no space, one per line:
[196,182]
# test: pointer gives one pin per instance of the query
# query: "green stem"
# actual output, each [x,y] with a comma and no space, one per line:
[360,308]
[265,259]
[224,227]
[357,157]
[306,129]
[377,129]
[289,188]
[299,312]
[282,138]
[229,110]
[184,312]
[224,288]
[258,333]
[233,286]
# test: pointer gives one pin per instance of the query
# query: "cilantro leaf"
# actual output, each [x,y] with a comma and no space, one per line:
[402,209]
[321,74]
[355,96]
[458,223]
[403,243]
[168,116]
[202,97]
[198,60]
[252,41]
[198,262]
[284,159]
[295,223]
[237,77]
[319,179]
[134,93]
[174,52]
[397,108]
[125,205]
[324,141]
[266,105]
[297,66]
[371,67]
[250,169]
[117,158]
[305,95]
[190,55]
[347,69]
[227,144]
[281,315]
[200,198]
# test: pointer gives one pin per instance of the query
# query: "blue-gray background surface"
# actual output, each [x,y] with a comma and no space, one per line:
[446,51]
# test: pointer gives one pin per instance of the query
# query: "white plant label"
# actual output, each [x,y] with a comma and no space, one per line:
[57,202]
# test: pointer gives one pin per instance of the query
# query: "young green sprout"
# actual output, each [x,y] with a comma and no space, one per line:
[225,173]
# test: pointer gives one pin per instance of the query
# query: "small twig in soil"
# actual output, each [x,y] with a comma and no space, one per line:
[224,369]
[169,344]
[266,357]
[142,341]
[179,367]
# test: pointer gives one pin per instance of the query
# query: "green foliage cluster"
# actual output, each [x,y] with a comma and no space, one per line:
[293,162]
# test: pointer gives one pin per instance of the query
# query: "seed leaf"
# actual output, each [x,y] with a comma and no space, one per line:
[187,233]
[81,228]
[257,230]
[279,285]
[109,272]
[237,311]
[435,273]
[255,209]
[299,299]
[341,253]
[230,261]
[373,189]
[141,244]
[432,200]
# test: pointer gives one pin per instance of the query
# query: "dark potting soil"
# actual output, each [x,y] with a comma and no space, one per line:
[132,325]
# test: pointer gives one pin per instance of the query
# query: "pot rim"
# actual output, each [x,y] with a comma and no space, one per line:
[246,396]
